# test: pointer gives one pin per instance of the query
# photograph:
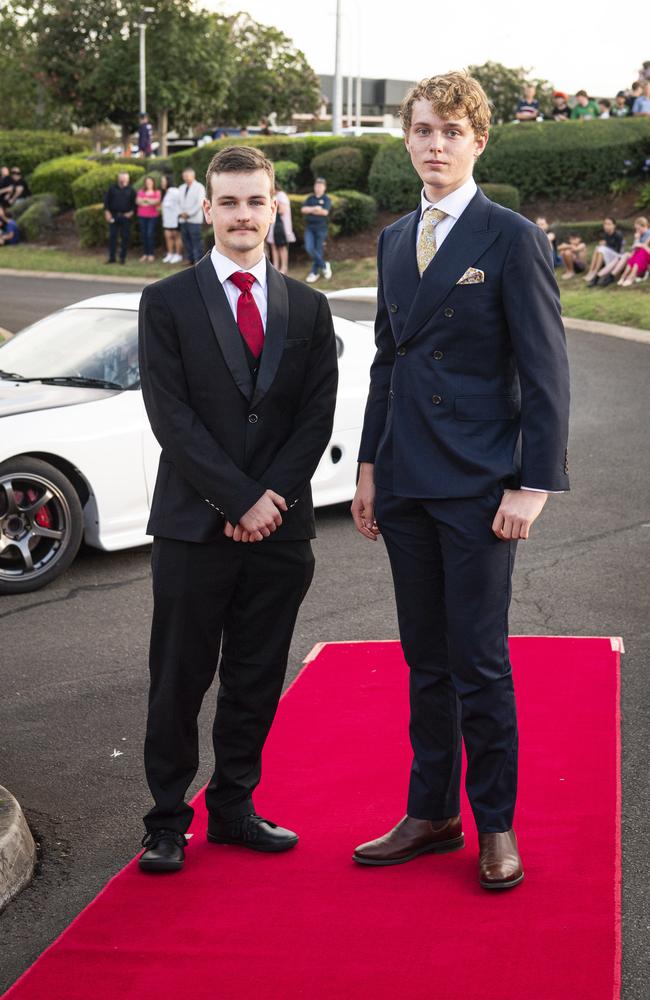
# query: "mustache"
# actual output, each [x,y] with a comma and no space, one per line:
[250,229]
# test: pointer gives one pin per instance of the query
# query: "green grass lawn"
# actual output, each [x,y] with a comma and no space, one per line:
[623,306]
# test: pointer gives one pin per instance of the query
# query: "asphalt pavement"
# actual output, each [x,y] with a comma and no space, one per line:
[74,656]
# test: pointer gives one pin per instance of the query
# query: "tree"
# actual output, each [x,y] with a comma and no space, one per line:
[269,74]
[504,86]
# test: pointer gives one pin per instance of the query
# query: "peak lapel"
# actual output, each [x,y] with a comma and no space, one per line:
[223,324]
[277,322]
[468,239]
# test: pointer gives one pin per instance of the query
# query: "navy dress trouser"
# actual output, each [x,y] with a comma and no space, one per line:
[452,579]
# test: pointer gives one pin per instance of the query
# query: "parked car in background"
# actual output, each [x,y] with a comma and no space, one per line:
[78,460]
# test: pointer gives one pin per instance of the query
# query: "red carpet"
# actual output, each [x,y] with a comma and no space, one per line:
[242,926]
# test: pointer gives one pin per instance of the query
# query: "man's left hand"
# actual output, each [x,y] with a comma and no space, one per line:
[516,513]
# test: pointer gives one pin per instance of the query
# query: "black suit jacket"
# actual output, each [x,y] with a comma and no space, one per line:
[224,439]
[470,384]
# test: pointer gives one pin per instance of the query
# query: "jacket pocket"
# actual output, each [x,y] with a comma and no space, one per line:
[300,342]
[486,408]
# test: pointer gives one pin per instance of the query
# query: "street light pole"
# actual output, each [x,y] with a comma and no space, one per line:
[142,26]
[337,100]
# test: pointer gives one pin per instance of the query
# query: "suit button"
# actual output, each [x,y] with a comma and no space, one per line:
[390,393]
[252,418]
[401,351]
[449,312]
[393,307]
[436,400]
[438,355]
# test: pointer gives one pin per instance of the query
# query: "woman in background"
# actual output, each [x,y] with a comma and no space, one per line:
[148,210]
[281,233]
[171,229]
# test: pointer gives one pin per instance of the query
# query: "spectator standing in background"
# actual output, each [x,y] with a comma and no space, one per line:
[190,214]
[635,91]
[281,233]
[641,106]
[528,106]
[584,108]
[145,133]
[620,107]
[148,209]
[8,230]
[5,187]
[561,111]
[316,209]
[119,209]
[607,253]
[551,237]
[573,256]
[170,208]
[604,108]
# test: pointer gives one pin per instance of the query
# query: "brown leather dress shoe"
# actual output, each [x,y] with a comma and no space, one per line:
[499,860]
[410,838]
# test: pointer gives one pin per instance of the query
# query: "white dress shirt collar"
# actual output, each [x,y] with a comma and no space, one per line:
[453,204]
[224,267]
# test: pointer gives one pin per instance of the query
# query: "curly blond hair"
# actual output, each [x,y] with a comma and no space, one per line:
[450,94]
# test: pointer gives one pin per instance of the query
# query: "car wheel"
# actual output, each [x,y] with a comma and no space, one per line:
[41,524]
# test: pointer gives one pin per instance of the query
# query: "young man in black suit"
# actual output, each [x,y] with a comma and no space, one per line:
[464,436]
[239,375]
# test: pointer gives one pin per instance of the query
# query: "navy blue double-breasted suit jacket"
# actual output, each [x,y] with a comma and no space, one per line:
[469,389]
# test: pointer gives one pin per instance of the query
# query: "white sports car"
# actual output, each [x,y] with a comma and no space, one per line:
[77,457]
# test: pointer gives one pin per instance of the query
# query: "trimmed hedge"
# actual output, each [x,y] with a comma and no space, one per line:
[342,168]
[560,159]
[57,177]
[92,187]
[92,228]
[26,148]
[286,175]
[38,218]
[393,182]
[589,231]
[503,194]
[359,212]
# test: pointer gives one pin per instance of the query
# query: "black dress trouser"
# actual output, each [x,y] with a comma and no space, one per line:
[452,579]
[238,598]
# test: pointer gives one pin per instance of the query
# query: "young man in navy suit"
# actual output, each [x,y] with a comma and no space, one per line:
[464,437]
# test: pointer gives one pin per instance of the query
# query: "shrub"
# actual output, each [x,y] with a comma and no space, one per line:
[92,187]
[286,175]
[26,149]
[91,226]
[503,194]
[38,218]
[57,177]
[561,159]
[589,231]
[341,168]
[643,201]
[393,182]
[359,213]
[23,204]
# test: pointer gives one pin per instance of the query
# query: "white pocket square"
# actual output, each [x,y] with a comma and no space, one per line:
[472,276]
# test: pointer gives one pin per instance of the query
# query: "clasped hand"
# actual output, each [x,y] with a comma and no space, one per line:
[260,521]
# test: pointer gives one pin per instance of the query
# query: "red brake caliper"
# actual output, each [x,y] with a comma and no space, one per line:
[43,517]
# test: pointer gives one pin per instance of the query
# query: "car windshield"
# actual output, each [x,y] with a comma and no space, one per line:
[77,343]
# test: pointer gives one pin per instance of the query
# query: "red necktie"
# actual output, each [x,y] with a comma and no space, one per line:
[249,320]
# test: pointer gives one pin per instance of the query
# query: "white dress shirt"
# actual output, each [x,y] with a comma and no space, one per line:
[454,205]
[224,267]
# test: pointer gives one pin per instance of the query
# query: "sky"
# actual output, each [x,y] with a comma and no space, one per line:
[573,45]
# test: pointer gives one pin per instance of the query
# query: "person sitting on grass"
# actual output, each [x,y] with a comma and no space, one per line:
[551,237]
[638,261]
[573,256]
[8,230]
[607,253]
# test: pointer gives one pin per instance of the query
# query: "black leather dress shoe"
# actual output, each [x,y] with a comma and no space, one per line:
[251,831]
[165,851]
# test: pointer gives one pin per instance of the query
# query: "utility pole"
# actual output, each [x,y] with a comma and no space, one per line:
[142,27]
[337,100]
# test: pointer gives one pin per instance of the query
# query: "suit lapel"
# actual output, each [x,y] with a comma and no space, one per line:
[223,324]
[468,239]
[277,322]
[403,276]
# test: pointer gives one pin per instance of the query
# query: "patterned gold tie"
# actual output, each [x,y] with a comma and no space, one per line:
[427,242]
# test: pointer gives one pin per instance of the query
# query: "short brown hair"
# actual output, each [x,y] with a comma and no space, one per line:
[238,160]
[450,94]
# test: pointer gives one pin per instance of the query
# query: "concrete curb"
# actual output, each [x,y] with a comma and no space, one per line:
[16,272]
[5,334]
[608,329]
[17,849]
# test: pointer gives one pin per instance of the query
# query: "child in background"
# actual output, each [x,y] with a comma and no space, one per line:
[573,256]
[551,237]
[607,253]
[638,261]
